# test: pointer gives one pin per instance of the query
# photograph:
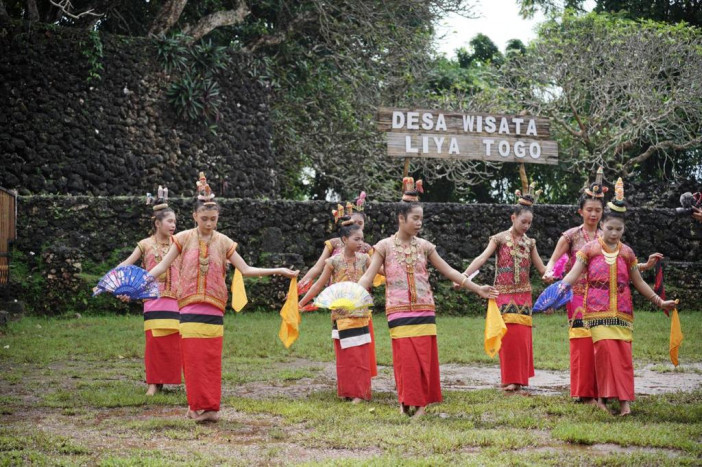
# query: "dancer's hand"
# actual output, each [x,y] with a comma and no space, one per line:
[668,305]
[697,213]
[123,298]
[488,291]
[289,273]
[548,277]
[652,260]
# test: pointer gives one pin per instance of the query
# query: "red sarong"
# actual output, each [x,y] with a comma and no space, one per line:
[517,355]
[371,354]
[614,369]
[353,372]
[583,382]
[162,359]
[202,366]
[416,364]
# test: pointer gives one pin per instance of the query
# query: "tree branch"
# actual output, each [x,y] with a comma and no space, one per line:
[32,10]
[66,7]
[654,148]
[218,19]
[167,16]
[281,36]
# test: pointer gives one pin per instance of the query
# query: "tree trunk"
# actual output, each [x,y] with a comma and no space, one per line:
[32,10]
[216,20]
[167,16]
[3,12]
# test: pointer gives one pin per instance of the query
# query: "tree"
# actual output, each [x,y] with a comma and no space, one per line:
[618,92]
[329,65]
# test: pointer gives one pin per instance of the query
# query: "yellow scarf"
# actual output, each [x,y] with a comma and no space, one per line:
[676,336]
[239,298]
[290,326]
[495,329]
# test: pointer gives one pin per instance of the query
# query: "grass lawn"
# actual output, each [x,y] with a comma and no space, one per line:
[72,392]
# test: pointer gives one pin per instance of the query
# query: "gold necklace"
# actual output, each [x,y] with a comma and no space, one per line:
[406,255]
[204,253]
[518,251]
[609,255]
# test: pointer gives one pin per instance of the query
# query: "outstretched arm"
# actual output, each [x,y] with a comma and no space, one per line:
[478,262]
[447,271]
[317,268]
[367,280]
[562,248]
[574,273]
[133,258]
[536,261]
[248,271]
[161,267]
[318,286]
[645,290]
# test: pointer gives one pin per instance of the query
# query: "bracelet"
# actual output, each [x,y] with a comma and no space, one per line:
[464,281]
[656,300]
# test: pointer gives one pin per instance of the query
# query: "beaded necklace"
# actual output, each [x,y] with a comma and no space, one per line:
[406,255]
[518,252]
[204,256]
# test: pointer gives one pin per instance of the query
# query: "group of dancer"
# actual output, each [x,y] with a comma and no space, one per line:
[184,327]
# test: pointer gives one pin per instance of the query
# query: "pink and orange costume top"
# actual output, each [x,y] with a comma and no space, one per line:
[161,316]
[609,311]
[351,331]
[577,237]
[512,267]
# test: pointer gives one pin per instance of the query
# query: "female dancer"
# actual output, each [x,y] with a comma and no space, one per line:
[161,316]
[410,303]
[608,310]
[351,334]
[515,254]
[202,297]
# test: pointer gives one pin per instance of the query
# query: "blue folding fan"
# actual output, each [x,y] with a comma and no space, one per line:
[555,296]
[131,281]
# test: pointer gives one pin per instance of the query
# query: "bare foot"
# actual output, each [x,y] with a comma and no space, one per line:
[356,400]
[601,403]
[624,409]
[589,401]
[152,389]
[404,409]
[421,411]
[208,416]
[511,388]
[193,414]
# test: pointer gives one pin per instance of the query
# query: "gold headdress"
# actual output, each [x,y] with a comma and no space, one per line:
[344,213]
[617,203]
[411,189]
[161,201]
[204,192]
[527,196]
[597,189]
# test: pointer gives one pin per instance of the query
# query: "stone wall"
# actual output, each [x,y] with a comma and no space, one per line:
[118,135]
[272,233]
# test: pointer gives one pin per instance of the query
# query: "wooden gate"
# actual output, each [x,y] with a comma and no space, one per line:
[8,230]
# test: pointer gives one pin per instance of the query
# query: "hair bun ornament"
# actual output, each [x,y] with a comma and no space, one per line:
[528,195]
[411,189]
[361,202]
[617,203]
[597,190]
[204,192]
[161,199]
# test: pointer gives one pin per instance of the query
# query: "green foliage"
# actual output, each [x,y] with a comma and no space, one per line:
[92,50]
[194,92]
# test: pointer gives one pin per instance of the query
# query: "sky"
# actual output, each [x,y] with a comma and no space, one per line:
[497,19]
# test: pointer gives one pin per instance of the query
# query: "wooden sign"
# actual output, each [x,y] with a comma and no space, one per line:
[471,136]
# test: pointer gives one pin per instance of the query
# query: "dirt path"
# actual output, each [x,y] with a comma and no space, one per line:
[455,377]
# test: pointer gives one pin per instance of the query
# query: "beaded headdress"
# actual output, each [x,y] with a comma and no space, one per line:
[597,189]
[343,213]
[161,200]
[617,203]
[528,195]
[204,192]
[411,189]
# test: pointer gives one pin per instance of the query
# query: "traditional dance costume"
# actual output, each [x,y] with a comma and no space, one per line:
[202,297]
[582,353]
[352,334]
[513,262]
[409,305]
[162,355]
[609,315]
